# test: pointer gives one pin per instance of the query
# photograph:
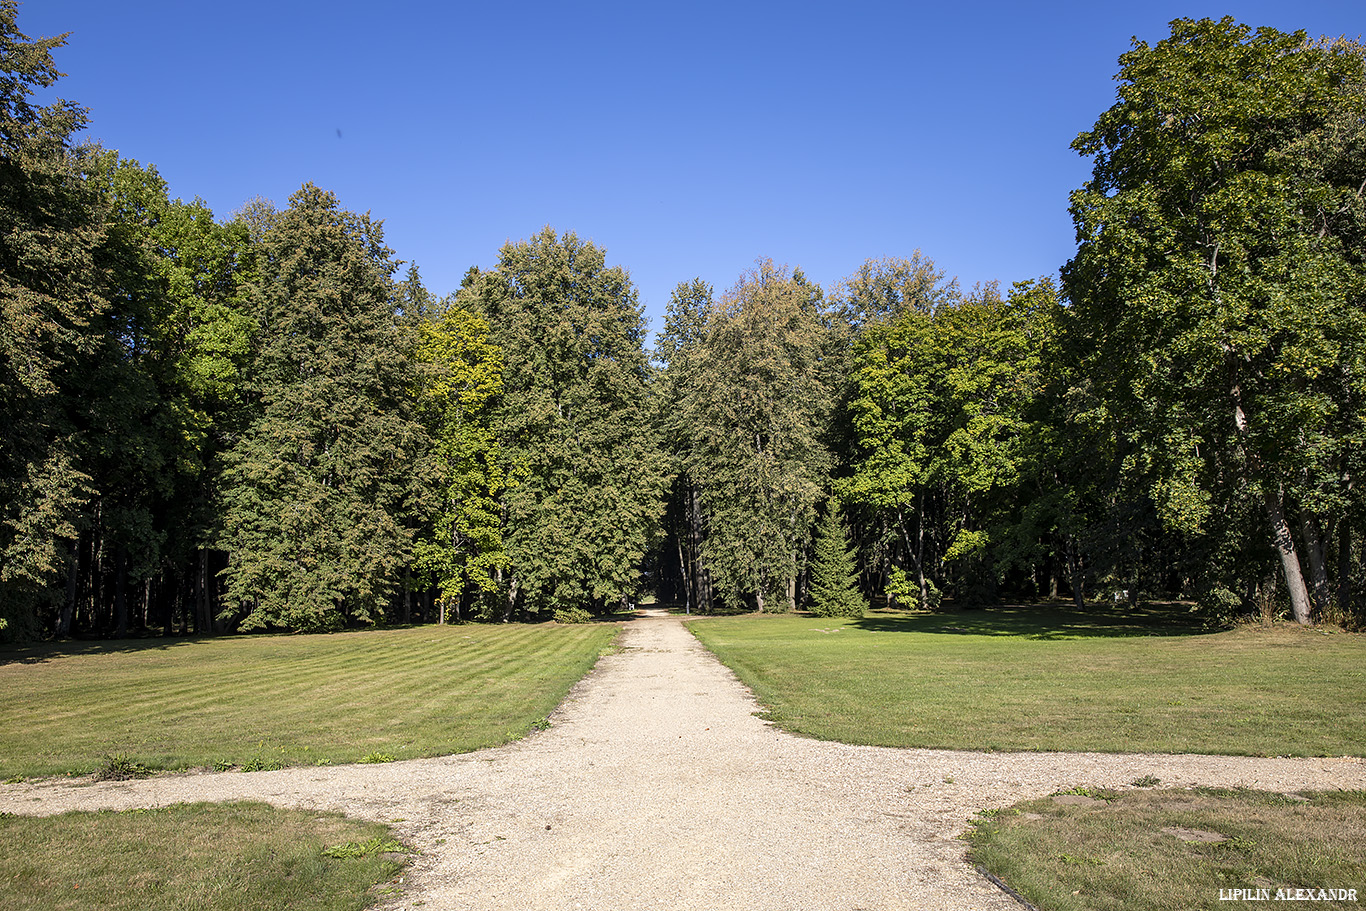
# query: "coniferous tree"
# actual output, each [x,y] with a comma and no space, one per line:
[319,482]
[834,572]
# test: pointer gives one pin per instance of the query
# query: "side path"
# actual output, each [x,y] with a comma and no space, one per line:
[657,787]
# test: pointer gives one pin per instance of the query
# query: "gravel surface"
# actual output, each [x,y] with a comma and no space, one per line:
[656,786]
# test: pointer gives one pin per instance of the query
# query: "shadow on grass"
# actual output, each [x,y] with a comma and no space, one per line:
[1046,621]
[42,652]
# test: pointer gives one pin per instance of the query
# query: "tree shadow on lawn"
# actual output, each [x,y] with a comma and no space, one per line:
[43,652]
[1046,621]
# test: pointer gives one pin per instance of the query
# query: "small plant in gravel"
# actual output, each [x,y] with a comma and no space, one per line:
[259,763]
[378,757]
[120,767]
[368,848]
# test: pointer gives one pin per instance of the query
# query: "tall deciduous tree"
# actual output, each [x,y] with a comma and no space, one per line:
[583,469]
[49,231]
[680,350]
[461,550]
[1217,289]
[319,482]
[758,412]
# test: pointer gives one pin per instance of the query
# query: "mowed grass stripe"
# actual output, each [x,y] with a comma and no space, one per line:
[286,700]
[1047,679]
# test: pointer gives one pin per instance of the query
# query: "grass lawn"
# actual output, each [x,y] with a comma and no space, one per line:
[195,857]
[270,701]
[1156,850]
[1050,678]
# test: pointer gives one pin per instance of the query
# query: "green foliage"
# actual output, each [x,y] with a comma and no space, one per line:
[1215,295]
[318,482]
[582,472]
[834,588]
[49,305]
[756,407]
[461,549]
[937,421]
[572,615]
[119,767]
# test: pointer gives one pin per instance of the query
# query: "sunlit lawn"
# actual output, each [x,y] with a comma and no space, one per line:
[1045,678]
[266,701]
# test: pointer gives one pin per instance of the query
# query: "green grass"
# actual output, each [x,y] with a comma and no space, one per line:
[1029,678]
[1116,855]
[194,857]
[260,702]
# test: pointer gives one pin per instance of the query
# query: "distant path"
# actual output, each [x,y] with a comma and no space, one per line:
[657,787]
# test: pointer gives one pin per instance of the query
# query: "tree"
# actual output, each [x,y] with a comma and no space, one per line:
[680,350]
[461,550]
[50,228]
[582,466]
[758,413]
[834,574]
[318,485]
[1216,294]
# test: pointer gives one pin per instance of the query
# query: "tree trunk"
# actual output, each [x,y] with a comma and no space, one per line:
[792,590]
[1345,606]
[512,600]
[121,592]
[686,572]
[1284,543]
[1318,561]
[203,614]
[1076,574]
[701,576]
[68,611]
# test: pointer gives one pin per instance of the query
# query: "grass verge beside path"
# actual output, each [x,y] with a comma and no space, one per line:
[1027,678]
[224,857]
[270,701]
[1161,849]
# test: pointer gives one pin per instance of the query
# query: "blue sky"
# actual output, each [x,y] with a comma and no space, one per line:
[688,139]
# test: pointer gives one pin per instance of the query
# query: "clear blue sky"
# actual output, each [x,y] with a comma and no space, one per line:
[687,139]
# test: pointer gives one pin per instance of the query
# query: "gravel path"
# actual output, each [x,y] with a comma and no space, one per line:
[657,787]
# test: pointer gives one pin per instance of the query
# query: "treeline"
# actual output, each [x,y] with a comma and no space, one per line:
[253,423]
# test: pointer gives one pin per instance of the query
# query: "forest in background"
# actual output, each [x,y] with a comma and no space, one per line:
[254,423]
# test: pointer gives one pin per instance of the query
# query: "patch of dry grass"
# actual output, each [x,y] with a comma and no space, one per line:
[1162,849]
[195,857]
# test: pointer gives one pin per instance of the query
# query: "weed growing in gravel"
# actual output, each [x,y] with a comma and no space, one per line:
[119,767]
